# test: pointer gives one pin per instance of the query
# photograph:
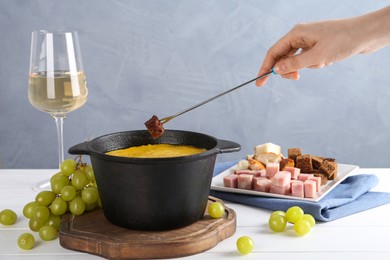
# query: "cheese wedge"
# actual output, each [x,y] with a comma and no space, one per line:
[267,148]
[267,153]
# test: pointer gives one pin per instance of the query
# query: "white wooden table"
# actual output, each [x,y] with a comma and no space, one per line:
[361,236]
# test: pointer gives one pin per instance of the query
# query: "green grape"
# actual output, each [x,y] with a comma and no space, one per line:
[68,193]
[59,206]
[278,212]
[28,208]
[216,209]
[40,213]
[54,221]
[45,197]
[58,182]
[8,217]
[89,172]
[90,195]
[91,206]
[277,222]
[26,241]
[35,225]
[294,214]
[77,206]
[47,233]
[245,245]
[68,166]
[56,175]
[79,180]
[309,218]
[302,227]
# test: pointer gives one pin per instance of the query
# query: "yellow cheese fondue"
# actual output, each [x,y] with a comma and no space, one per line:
[157,151]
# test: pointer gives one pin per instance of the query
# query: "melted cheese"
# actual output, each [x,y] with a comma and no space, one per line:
[157,151]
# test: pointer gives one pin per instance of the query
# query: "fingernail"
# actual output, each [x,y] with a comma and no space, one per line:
[280,68]
[259,83]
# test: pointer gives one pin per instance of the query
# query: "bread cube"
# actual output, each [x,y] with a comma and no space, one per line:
[304,163]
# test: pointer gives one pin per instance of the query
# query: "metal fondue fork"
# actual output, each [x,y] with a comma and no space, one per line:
[168,118]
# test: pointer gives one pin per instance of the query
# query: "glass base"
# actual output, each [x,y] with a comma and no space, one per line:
[42,185]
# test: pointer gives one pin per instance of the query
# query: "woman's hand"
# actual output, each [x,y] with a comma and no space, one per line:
[319,44]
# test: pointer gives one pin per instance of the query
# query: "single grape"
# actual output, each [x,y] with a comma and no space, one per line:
[40,213]
[91,206]
[90,195]
[279,212]
[56,175]
[309,218]
[28,208]
[26,241]
[35,225]
[245,245]
[77,206]
[58,182]
[68,193]
[216,209]
[54,221]
[45,197]
[277,222]
[59,206]
[79,180]
[68,166]
[302,227]
[8,217]
[47,233]
[88,171]
[294,214]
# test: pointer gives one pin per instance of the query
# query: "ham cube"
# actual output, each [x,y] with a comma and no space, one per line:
[230,181]
[283,190]
[271,169]
[310,188]
[262,184]
[317,180]
[294,172]
[281,179]
[254,180]
[251,172]
[263,173]
[304,176]
[297,189]
[245,181]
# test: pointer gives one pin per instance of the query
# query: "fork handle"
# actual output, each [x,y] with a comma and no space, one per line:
[166,119]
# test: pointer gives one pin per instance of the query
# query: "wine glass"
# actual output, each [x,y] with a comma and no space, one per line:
[57,83]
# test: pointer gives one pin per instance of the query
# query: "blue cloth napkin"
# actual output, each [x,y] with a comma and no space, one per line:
[351,196]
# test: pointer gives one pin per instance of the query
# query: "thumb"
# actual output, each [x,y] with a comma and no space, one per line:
[294,63]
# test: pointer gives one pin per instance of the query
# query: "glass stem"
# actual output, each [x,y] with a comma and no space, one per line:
[60,137]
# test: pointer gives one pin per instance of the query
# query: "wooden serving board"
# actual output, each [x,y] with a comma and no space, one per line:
[93,233]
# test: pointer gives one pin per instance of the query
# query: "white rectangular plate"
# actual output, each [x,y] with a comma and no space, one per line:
[344,170]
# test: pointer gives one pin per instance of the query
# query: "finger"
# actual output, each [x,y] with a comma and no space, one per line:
[291,75]
[265,68]
[281,48]
[262,81]
[294,63]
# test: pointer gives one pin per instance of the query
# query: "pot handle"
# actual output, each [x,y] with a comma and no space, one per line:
[226,146]
[81,148]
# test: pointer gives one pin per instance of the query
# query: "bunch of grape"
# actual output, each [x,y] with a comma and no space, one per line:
[73,189]
[302,222]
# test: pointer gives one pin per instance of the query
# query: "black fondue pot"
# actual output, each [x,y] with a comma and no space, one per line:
[153,193]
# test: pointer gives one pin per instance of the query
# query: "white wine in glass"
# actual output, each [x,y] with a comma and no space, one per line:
[57,83]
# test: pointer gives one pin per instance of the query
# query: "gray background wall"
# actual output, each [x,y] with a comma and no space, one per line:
[159,57]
